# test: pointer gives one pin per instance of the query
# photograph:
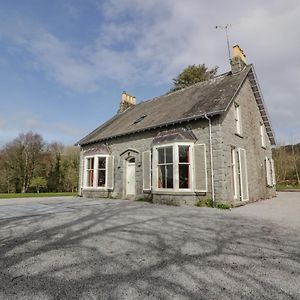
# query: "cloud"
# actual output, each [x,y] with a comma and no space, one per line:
[150,42]
[51,131]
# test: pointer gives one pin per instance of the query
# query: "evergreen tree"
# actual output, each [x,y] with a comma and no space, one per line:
[191,75]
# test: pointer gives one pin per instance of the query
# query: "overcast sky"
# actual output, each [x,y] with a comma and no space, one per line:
[64,64]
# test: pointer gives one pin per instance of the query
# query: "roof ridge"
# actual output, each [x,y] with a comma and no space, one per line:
[186,88]
[186,113]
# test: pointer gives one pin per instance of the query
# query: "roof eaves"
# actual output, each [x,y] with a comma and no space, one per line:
[173,122]
[81,142]
[261,105]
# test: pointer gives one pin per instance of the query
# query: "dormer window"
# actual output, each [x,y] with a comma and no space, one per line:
[237,118]
[141,118]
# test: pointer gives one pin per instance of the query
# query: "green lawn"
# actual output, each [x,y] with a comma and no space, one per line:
[30,195]
[280,187]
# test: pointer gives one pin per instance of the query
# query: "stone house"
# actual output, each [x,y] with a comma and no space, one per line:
[210,140]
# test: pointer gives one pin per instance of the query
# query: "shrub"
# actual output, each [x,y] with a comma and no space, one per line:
[205,203]
[223,205]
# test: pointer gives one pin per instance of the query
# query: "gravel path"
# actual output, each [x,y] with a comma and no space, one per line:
[115,249]
[283,210]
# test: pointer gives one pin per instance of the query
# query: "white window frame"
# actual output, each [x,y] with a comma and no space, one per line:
[175,168]
[95,179]
[191,152]
[242,175]
[262,135]
[237,119]
[86,169]
[270,172]
[234,172]
[165,164]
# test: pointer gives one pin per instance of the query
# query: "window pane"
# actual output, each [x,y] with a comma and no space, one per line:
[169,176]
[101,178]
[169,154]
[161,177]
[184,181]
[161,156]
[90,163]
[90,178]
[184,154]
[101,162]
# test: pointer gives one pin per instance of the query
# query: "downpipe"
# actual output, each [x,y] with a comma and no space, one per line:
[211,162]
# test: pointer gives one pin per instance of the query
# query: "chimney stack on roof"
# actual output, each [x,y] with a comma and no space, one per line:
[238,61]
[126,102]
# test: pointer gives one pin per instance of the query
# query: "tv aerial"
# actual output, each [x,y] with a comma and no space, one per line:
[225,28]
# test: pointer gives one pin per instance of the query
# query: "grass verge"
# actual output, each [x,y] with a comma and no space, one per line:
[34,195]
[287,187]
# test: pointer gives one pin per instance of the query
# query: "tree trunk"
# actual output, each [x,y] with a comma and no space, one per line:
[23,190]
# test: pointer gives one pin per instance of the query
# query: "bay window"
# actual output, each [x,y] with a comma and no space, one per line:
[95,171]
[184,167]
[165,167]
[90,171]
[172,165]
[101,171]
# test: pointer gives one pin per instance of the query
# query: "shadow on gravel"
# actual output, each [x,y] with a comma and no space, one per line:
[136,251]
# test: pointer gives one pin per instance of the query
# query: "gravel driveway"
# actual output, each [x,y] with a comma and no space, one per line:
[69,248]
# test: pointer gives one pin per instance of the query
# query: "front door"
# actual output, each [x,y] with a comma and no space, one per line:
[130,177]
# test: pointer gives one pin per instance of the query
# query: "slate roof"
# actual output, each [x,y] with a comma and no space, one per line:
[174,134]
[211,97]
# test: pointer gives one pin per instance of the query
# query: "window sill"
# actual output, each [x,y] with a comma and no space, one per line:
[174,192]
[239,135]
[91,188]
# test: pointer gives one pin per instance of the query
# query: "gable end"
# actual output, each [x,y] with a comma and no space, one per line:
[261,105]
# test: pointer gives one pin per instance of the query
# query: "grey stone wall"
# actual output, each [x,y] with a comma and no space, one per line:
[250,140]
[136,144]
[223,138]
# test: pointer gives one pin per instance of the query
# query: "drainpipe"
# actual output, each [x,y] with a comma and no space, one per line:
[211,162]
[81,167]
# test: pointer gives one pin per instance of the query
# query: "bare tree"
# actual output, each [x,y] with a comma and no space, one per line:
[28,157]
[22,157]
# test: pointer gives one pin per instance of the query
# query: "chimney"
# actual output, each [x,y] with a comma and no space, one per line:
[238,61]
[126,102]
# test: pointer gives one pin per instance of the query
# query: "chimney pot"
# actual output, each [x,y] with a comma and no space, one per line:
[238,61]
[238,52]
[126,102]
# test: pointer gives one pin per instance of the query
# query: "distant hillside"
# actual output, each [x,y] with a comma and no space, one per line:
[287,163]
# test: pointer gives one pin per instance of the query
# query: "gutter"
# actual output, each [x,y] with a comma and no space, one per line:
[211,162]
[178,121]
